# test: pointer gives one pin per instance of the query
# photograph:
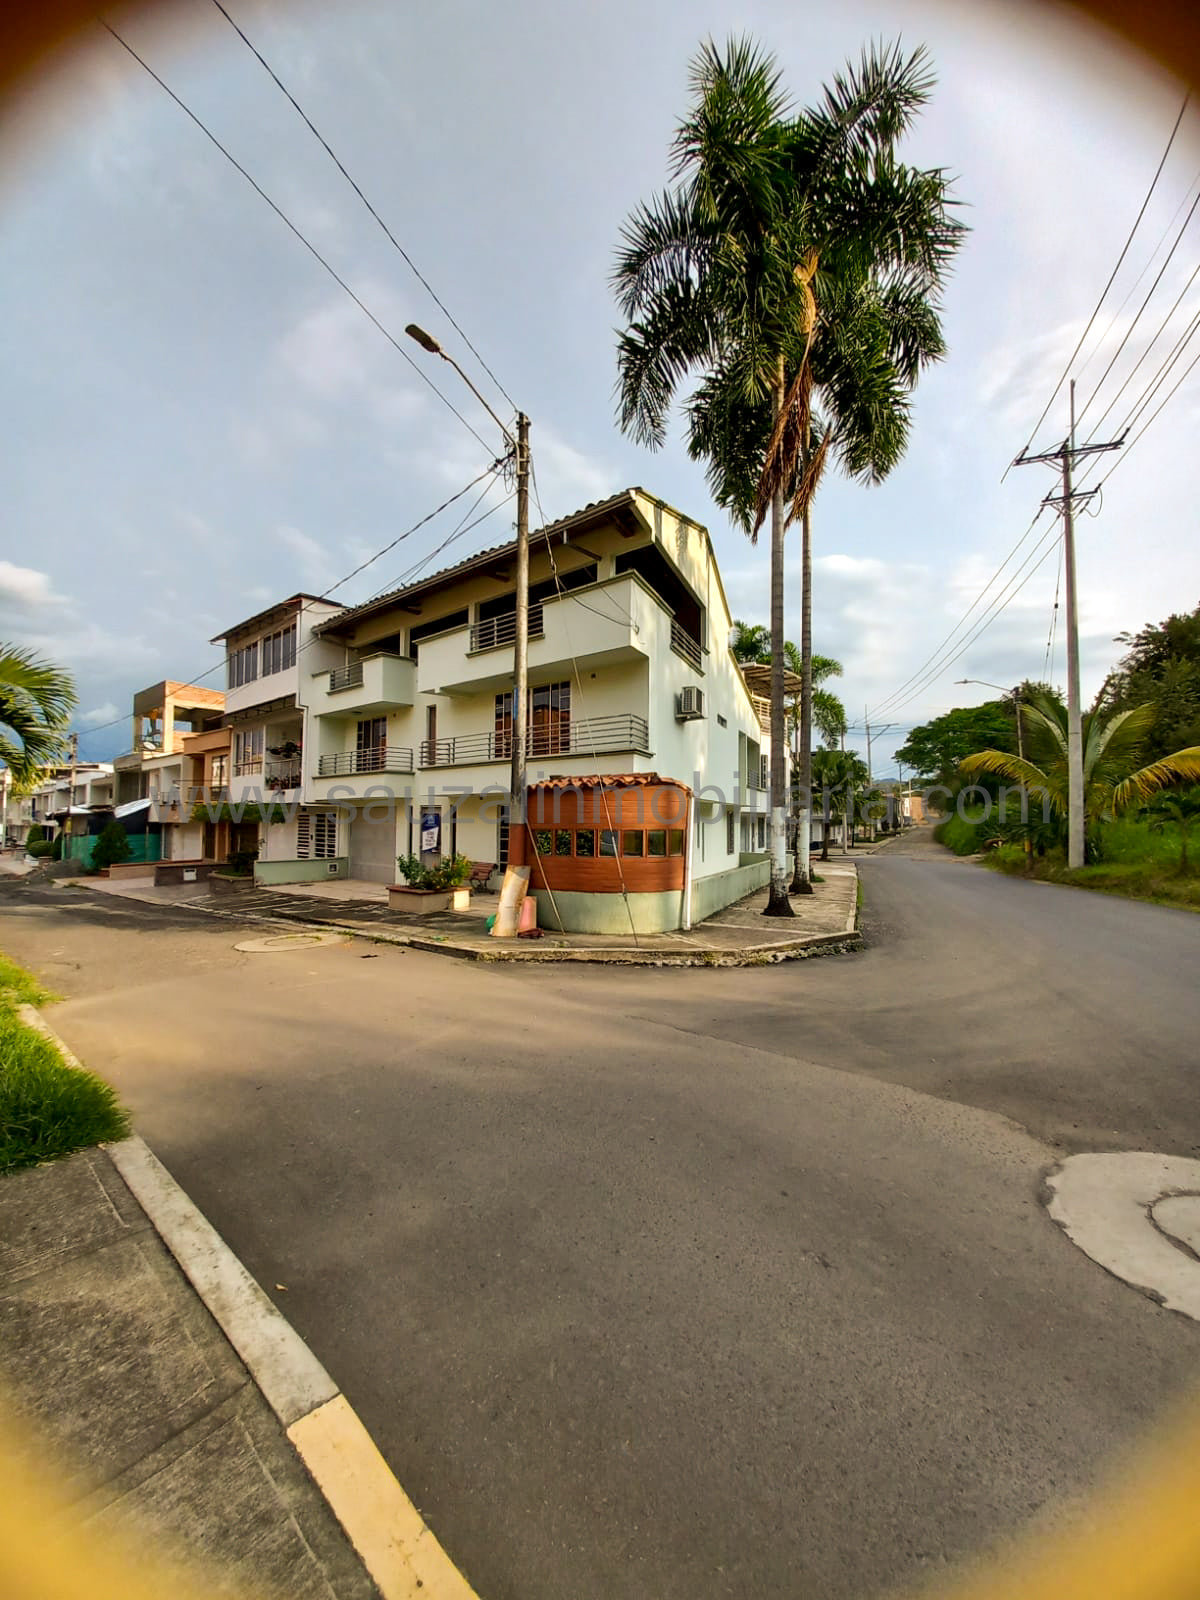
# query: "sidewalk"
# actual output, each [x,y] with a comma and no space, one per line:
[825,923]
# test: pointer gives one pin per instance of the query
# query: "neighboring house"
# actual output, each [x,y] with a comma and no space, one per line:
[151,777]
[16,811]
[270,659]
[75,801]
[403,711]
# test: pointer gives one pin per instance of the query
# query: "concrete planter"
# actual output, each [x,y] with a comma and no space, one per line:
[419,902]
[222,883]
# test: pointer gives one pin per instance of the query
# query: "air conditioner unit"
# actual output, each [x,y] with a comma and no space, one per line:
[333,868]
[689,704]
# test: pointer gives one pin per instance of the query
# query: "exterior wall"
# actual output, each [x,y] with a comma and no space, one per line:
[639,809]
[568,911]
[719,889]
[268,872]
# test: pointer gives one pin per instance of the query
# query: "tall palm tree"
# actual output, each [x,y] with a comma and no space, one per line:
[839,775]
[1113,782]
[36,701]
[772,216]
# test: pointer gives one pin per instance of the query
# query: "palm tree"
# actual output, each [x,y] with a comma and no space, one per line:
[751,644]
[838,776]
[36,701]
[1113,783]
[773,215]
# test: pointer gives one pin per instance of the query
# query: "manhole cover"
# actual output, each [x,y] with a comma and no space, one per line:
[273,943]
[1138,1215]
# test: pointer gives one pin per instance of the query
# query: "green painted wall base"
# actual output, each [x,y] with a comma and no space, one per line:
[145,847]
[301,871]
[610,913]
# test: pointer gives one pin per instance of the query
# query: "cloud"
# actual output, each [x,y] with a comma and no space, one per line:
[25,589]
[315,571]
[108,712]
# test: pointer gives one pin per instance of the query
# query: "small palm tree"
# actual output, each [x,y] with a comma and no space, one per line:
[1113,782]
[1182,809]
[36,701]
[838,778]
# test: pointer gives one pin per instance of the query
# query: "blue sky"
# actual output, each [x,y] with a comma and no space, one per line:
[198,421]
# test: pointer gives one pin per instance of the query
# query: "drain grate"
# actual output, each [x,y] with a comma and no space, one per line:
[274,943]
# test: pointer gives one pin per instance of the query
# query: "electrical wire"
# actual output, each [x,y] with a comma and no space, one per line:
[885,703]
[284,218]
[1124,456]
[329,151]
[1161,329]
[1112,278]
[1048,664]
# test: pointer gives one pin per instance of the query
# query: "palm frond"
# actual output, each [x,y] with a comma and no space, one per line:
[1139,787]
[1002,764]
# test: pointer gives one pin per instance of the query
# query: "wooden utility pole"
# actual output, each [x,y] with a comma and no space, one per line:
[1065,457]
[516,878]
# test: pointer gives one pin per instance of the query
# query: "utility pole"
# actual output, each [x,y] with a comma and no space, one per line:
[867,724]
[516,878]
[1065,457]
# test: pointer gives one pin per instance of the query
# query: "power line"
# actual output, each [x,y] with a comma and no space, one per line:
[327,147]
[217,666]
[1142,431]
[1048,665]
[1141,309]
[1124,252]
[1002,601]
[283,217]
[1162,327]
[885,703]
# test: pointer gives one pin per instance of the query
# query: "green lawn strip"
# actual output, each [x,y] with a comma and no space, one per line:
[47,1108]
[1144,880]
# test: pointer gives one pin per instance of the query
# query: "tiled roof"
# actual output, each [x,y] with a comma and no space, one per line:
[613,780]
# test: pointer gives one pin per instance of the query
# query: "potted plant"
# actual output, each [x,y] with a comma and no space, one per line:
[438,888]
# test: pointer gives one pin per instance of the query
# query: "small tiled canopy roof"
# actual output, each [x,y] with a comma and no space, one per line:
[758,679]
[613,780]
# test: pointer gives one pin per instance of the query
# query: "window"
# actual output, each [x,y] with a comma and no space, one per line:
[316,835]
[608,841]
[585,842]
[562,841]
[242,665]
[501,843]
[633,844]
[762,833]
[279,651]
[370,745]
[656,842]
[764,772]
[219,773]
[730,829]
[389,645]
[247,752]
[675,842]
[721,721]
[543,840]
[549,721]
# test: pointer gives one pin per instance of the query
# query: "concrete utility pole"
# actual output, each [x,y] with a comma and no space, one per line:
[516,879]
[1065,456]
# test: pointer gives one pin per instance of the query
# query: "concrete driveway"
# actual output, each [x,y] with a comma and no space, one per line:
[682,1283]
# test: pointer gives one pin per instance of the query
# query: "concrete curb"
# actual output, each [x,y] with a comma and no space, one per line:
[397,1548]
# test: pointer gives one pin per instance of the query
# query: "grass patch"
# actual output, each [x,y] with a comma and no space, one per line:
[1133,879]
[47,1108]
[961,833]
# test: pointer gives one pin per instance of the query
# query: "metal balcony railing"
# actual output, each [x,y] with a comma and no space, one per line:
[579,737]
[201,794]
[495,631]
[684,645]
[248,769]
[350,677]
[282,775]
[379,758]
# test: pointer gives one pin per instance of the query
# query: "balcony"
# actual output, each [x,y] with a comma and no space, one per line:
[497,631]
[585,736]
[606,623]
[350,763]
[282,775]
[377,683]
[684,645]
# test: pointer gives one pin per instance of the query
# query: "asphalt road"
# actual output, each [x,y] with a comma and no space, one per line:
[682,1283]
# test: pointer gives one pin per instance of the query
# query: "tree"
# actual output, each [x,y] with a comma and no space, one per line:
[774,215]
[751,645]
[934,749]
[1161,667]
[112,846]
[36,701]
[838,778]
[1113,745]
[1181,809]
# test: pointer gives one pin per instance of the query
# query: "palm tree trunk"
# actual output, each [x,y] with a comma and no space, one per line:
[778,904]
[802,874]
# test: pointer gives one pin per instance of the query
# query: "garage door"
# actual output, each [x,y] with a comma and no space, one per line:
[373,847]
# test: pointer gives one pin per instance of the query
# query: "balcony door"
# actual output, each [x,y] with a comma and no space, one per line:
[370,744]
[549,721]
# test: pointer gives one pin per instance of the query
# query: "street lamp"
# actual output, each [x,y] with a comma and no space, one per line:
[1016,694]
[516,878]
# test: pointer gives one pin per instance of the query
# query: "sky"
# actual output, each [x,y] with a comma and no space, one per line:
[197,420]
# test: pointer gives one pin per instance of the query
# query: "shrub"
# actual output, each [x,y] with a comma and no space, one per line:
[449,873]
[35,835]
[112,846]
[40,848]
[241,862]
[56,849]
